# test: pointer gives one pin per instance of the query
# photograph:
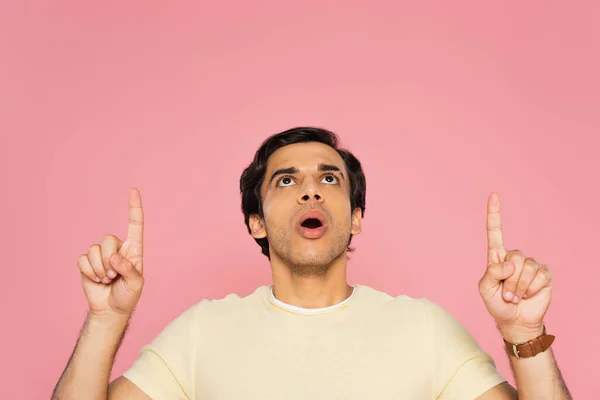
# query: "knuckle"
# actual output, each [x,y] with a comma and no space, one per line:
[126,265]
[93,248]
[109,239]
[529,269]
[530,261]
[495,267]
[545,271]
[515,255]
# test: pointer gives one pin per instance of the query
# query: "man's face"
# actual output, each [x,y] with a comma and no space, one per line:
[306,205]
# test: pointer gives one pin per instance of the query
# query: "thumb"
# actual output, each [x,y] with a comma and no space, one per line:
[125,268]
[494,275]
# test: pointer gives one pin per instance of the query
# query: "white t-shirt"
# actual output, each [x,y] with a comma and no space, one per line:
[370,346]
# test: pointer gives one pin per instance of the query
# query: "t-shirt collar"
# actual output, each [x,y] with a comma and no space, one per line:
[307,311]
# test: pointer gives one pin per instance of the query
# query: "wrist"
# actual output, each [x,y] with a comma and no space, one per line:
[520,334]
[107,322]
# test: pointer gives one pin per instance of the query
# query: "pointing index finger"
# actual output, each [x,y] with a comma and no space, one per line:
[496,250]
[135,231]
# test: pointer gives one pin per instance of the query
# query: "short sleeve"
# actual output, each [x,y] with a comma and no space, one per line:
[164,368]
[461,369]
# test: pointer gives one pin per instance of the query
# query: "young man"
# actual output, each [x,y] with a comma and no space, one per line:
[310,335]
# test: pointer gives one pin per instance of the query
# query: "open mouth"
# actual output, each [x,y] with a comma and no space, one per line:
[311,223]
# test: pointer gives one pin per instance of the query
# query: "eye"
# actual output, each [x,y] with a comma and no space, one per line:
[285,181]
[330,179]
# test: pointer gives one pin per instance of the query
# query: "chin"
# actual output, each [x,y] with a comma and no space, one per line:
[313,258]
[308,262]
[312,252]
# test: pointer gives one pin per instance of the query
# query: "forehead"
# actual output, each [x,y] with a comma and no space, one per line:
[304,155]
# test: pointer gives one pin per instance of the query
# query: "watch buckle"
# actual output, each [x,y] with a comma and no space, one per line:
[515,351]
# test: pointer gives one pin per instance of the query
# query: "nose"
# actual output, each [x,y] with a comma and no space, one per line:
[310,192]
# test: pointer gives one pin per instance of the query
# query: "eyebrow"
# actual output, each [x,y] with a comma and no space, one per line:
[294,170]
[330,167]
[283,171]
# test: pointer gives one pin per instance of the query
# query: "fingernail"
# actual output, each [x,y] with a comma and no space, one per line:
[506,267]
[115,258]
[508,296]
[111,274]
[105,280]
[97,279]
[515,299]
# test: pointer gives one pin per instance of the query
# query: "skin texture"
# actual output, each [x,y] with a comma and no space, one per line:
[288,195]
[307,272]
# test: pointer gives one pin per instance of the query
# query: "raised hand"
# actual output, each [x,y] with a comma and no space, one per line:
[516,289]
[112,271]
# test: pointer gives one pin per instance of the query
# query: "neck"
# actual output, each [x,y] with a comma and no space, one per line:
[320,291]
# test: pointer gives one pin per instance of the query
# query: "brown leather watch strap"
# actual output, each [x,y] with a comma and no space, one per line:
[531,347]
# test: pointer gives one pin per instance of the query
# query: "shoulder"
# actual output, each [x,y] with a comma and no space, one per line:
[429,315]
[223,307]
[204,314]
[402,314]
[401,303]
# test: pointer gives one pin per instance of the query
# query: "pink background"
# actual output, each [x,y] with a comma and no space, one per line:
[442,103]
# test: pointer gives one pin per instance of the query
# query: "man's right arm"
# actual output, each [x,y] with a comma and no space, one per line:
[112,280]
[88,370]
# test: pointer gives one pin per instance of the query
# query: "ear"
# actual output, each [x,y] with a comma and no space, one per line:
[356,221]
[257,227]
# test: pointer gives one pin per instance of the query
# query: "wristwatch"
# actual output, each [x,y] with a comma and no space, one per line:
[531,347]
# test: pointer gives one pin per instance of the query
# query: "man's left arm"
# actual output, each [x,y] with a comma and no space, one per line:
[516,291]
[537,377]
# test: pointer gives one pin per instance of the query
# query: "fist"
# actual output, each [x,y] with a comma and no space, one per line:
[112,271]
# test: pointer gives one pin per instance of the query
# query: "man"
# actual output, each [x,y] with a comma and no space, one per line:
[310,335]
